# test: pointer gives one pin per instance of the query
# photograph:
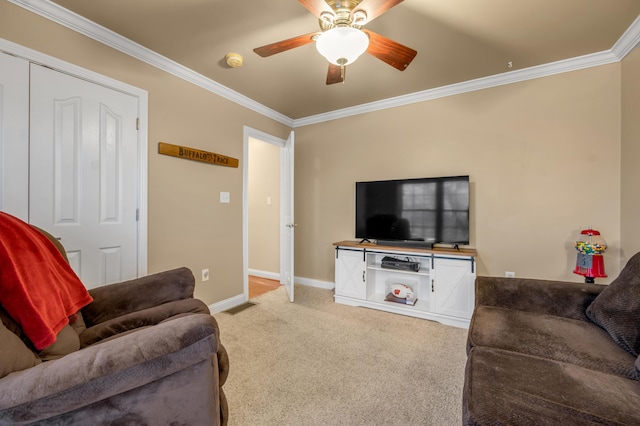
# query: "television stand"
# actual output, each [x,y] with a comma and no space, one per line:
[443,285]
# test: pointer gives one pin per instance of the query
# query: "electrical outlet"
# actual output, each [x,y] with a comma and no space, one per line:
[509,274]
[205,274]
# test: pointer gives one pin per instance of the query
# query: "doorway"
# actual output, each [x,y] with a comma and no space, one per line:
[264,216]
[268,209]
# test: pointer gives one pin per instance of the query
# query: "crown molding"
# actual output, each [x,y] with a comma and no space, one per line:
[628,41]
[625,44]
[75,22]
[525,74]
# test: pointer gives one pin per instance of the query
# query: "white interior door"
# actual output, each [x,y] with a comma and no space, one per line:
[14,136]
[84,172]
[287,218]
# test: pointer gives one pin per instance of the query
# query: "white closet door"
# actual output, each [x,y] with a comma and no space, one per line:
[14,136]
[83,173]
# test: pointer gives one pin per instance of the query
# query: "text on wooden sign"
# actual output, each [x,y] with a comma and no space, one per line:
[196,155]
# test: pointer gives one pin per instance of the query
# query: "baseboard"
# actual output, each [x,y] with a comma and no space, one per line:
[299,280]
[223,305]
[234,301]
[327,285]
[264,274]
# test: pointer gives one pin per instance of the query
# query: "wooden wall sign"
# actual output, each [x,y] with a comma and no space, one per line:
[196,155]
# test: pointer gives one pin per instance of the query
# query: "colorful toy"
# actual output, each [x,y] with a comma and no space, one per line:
[590,263]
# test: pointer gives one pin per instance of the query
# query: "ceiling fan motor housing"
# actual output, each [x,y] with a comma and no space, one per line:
[342,15]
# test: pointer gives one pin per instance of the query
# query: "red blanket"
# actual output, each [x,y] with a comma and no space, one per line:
[38,288]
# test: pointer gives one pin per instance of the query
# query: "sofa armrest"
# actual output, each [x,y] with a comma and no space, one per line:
[138,319]
[559,298]
[114,300]
[107,369]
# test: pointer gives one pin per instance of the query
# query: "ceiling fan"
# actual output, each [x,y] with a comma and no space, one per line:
[342,39]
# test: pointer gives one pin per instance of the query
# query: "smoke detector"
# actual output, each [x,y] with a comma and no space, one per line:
[234,60]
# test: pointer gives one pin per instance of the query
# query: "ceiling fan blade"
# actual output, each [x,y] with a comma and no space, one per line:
[284,45]
[317,7]
[375,8]
[335,74]
[389,51]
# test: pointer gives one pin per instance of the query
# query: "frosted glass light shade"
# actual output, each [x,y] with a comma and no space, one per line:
[342,45]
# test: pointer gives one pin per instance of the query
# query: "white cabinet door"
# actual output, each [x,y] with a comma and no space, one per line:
[453,287]
[350,274]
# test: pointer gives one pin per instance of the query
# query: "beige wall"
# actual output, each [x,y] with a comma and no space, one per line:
[630,178]
[187,224]
[543,158]
[264,218]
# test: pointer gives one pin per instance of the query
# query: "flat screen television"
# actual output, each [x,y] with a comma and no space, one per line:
[414,212]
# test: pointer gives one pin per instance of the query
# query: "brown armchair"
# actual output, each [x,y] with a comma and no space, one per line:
[149,353]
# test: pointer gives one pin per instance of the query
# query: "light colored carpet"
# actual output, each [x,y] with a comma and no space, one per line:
[314,362]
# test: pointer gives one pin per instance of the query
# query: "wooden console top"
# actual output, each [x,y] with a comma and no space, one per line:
[435,250]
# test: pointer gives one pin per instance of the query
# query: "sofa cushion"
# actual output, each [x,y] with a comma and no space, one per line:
[14,354]
[617,307]
[507,388]
[561,339]
[67,341]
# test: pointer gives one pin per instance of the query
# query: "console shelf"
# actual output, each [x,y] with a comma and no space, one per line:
[396,271]
[443,286]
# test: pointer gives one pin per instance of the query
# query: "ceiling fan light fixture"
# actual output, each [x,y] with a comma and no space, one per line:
[342,45]
[328,17]
[359,17]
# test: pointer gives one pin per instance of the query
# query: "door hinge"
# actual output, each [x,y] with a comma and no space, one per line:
[138,123]
[137,215]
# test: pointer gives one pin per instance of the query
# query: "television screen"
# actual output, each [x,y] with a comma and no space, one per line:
[422,211]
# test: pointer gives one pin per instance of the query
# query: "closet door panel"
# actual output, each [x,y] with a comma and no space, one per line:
[84,170]
[14,136]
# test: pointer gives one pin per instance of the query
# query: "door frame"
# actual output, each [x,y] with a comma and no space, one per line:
[143,132]
[251,133]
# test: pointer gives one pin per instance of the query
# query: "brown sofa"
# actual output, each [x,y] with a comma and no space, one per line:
[554,353]
[149,354]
